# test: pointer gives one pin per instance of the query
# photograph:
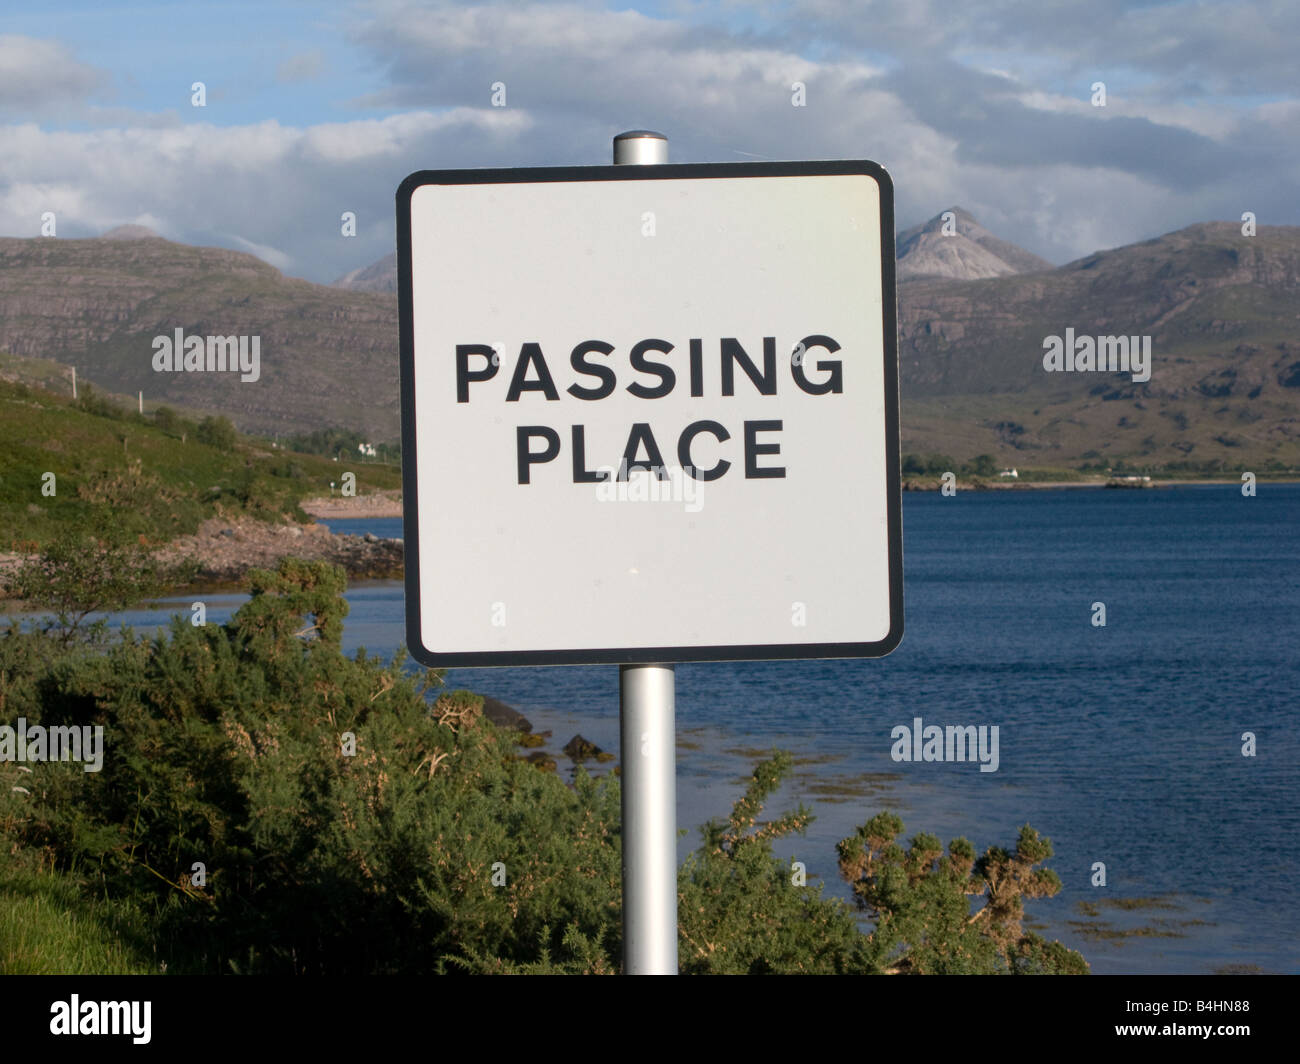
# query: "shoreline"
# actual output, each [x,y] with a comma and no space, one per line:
[227,548]
[389,503]
[376,504]
[983,484]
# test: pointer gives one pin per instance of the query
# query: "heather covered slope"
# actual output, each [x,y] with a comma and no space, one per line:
[1222,311]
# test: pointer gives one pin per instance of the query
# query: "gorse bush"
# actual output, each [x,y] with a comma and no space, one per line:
[347,821]
[225,747]
[919,901]
[171,422]
[739,910]
[90,566]
[217,431]
[92,402]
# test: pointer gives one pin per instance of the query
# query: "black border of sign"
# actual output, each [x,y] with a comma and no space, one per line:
[649,655]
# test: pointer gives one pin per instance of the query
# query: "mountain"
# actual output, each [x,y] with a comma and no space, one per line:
[953,245]
[379,276]
[1221,311]
[129,232]
[327,357]
[969,253]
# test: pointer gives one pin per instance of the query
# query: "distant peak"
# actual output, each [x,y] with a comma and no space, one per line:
[129,232]
[955,246]
[961,214]
[379,276]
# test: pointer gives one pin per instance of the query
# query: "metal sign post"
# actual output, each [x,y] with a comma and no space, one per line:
[647,334]
[646,709]
[649,782]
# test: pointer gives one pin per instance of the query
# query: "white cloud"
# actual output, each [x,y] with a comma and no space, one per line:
[274,256]
[1038,166]
[38,75]
[273,190]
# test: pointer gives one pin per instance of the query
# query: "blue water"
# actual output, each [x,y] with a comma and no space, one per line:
[383,527]
[1122,744]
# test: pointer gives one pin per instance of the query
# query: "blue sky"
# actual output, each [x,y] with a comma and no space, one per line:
[317,108]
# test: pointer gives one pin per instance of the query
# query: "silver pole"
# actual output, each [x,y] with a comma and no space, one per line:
[646,707]
[649,782]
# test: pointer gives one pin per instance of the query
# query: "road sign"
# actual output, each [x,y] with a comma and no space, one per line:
[650,414]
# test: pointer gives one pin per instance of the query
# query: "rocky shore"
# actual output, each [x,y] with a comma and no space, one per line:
[577,749]
[376,504]
[225,549]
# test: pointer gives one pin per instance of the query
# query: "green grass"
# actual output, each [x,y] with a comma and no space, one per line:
[176,481]
[49,927]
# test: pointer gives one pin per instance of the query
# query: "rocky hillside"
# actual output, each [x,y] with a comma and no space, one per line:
[1202,292]
[1222,311]
[327,357]
[1223,314]
[958,248]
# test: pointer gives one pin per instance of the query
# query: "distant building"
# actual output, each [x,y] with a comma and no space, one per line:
[1009,473]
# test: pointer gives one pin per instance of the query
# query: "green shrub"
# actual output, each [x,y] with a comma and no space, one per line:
[91,402]
[217,431]
[346,825]
[172,423]
[919,901]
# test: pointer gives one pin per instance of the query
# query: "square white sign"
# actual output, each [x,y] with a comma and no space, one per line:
[650,413]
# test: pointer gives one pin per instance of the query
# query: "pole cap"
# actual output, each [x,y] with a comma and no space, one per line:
[640,146]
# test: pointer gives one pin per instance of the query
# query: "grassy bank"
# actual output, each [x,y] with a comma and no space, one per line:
[51,925]
[66,463]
